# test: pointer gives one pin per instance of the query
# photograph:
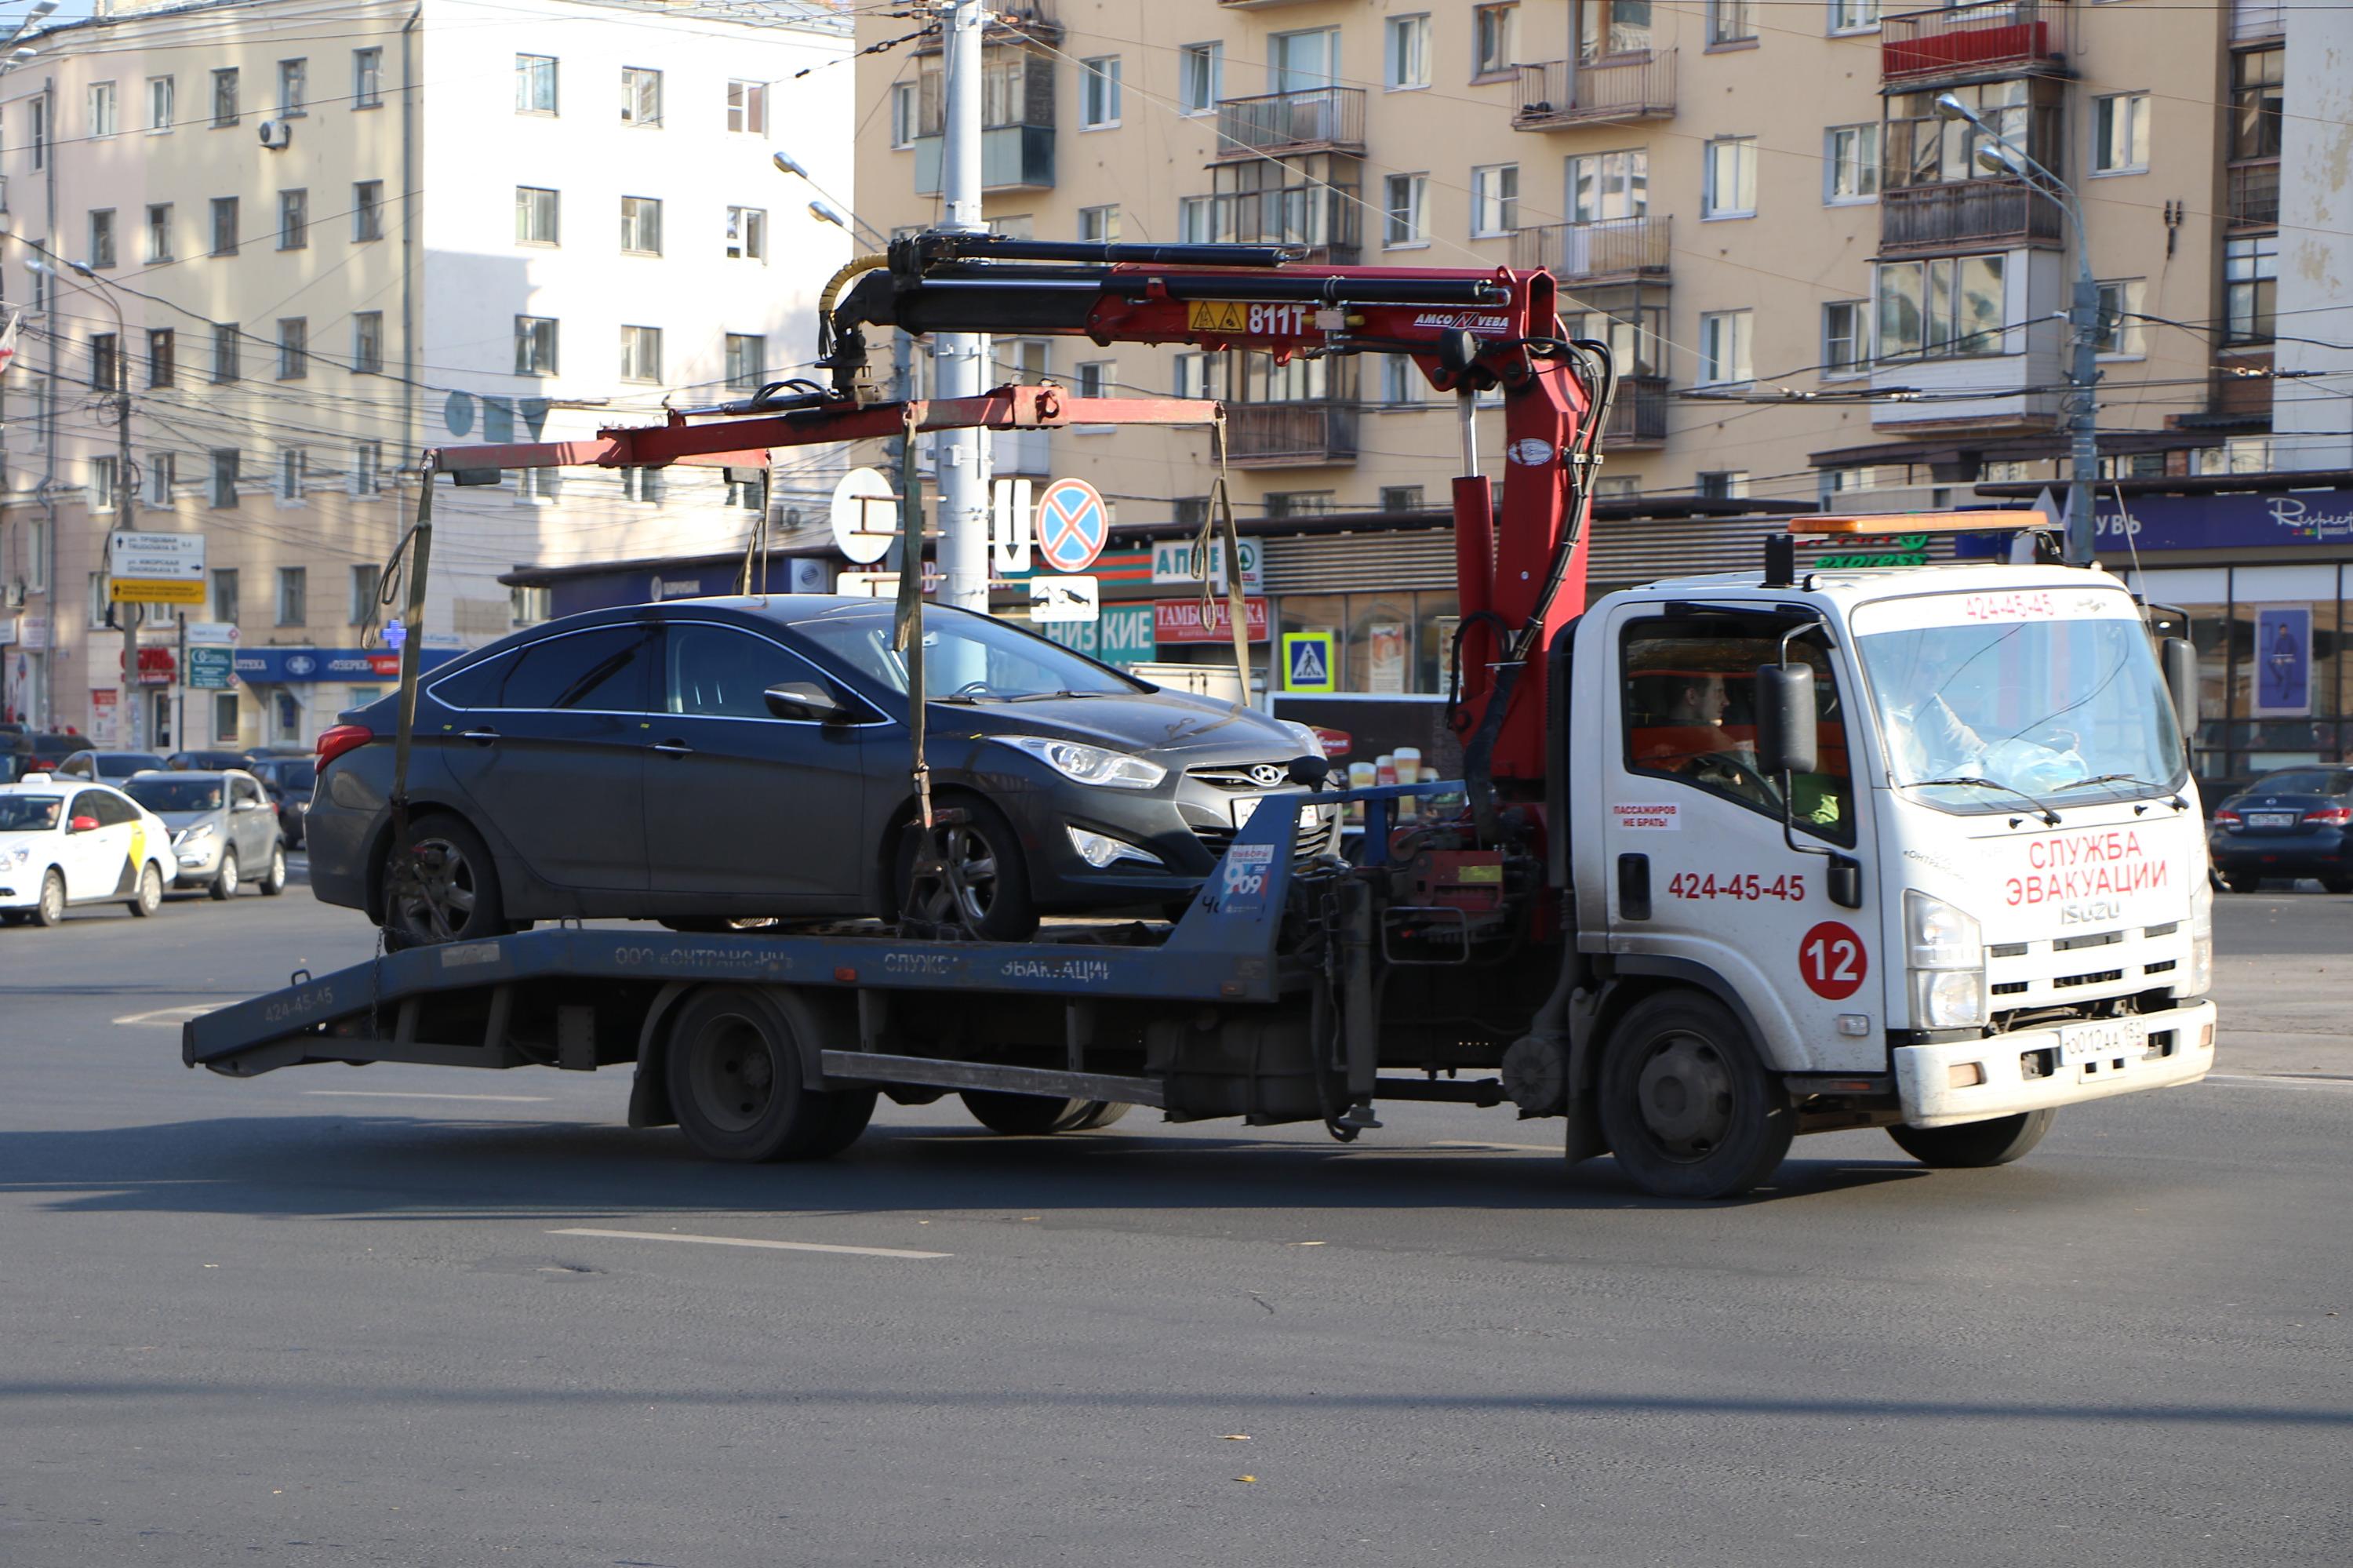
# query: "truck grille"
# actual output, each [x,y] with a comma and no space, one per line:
[2060,973]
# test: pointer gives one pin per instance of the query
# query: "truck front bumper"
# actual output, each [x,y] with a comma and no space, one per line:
[2002,1074]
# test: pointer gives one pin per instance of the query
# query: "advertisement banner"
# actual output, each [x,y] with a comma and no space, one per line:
[1180,620]
[2283,661]
[212,669]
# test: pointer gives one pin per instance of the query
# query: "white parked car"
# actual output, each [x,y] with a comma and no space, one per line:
[68,841]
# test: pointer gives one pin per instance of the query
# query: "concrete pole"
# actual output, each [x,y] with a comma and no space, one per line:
[960,360]
[2083,374]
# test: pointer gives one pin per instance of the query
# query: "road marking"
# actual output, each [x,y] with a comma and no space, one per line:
[1515,1148]
[749,1241]
[165,1016]
[2282,1081]
[420,1095]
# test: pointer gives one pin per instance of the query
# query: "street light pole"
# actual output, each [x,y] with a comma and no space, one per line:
[2000,153]
[126,702]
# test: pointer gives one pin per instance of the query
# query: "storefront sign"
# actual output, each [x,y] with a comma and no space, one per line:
[2283,661]
[1180,620]
[1178,561]
[1122,635]
[157,666]
[306,666]
[212,669]
[2236,520]
[103,708]
[33,633]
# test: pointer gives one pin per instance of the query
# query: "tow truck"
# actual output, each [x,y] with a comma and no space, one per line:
[1739,857]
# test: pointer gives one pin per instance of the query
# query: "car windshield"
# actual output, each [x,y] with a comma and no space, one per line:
[30,814]
[123,763]
[168,794]
[964,655]
[2305,781]
[1984,698]
[296,774]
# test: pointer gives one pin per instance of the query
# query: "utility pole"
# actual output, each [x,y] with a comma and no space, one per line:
[960,360]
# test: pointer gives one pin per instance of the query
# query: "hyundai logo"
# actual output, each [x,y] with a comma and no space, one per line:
[1266,775]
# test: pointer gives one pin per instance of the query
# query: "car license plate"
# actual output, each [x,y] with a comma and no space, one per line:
[2272,819]
[1247,806]
[2115,1038]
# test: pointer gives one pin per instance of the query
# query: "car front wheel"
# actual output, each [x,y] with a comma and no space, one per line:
[225,885]
[992,879]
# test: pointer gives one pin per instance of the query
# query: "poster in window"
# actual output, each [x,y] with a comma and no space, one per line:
[2283,661]
[1385,657]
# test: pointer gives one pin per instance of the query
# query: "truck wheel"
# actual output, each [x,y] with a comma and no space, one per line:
[455,896]
[1689,1110]
[1099,1114]
[734,1073]
[1026,1116]
[1974,1145]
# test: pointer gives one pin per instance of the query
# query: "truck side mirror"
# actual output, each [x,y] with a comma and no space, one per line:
[1786,741]
[2181,662]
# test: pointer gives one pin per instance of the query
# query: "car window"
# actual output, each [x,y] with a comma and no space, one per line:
[124,764]
[963,654]
[30,814]
[609,669]
[110,809]
[181,794]
[244,793]
[718,671]
[2306,781]
[75,767]
[87,803]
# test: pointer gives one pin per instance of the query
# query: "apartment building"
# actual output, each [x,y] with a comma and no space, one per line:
[1815,291]
[302,243]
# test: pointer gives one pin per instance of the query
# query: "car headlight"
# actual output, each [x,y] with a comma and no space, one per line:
[1084,764]
[2197,976]
[1944,953]
[196,836]
[1100,850]
[1310,743]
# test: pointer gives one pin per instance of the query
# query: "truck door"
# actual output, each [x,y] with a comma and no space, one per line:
[1701,879]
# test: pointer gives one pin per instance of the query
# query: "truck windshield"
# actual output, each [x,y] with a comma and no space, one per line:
[2052,695]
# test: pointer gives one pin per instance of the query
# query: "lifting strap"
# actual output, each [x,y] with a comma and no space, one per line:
[1219,522]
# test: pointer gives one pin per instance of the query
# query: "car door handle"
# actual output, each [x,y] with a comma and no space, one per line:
[673,748]
[479,736]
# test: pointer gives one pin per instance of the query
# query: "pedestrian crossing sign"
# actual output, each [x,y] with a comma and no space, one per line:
[1307,661]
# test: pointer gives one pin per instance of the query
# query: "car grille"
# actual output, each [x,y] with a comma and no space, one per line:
[1236,776]
[1304,842]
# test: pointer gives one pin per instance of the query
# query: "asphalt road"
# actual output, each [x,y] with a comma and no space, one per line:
[333,1316]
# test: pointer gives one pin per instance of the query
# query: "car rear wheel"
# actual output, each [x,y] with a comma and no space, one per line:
[443,887]
[274,883]
[2337,883]
[2239,881]
[151,891]
[1974,1145]
[224,884]
[995,878]
[51,908]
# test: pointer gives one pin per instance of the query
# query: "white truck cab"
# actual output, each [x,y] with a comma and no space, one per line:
[1982,884]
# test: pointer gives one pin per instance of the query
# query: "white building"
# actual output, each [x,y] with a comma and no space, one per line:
[307,241]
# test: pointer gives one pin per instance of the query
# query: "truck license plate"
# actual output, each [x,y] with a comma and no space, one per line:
[2271,819]
[1248,806]
[2103,1041]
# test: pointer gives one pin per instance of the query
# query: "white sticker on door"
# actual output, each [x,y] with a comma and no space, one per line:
[1659,818]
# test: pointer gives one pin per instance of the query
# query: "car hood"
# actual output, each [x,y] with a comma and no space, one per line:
[178,822]
[30,844]
[1160,726]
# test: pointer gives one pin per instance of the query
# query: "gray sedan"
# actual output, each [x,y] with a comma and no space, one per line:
[224,830]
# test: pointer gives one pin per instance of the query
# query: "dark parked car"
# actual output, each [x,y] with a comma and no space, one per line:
[289,781]
[208,760]
[702,760]
[50,750]
[2296,823]
[107,767]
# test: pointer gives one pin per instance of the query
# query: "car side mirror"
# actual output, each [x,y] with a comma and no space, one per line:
[811,702]
[1310,772]
[1786,741]
[2179,660]
[82,825]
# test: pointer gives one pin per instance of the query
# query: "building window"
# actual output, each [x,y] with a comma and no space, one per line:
[224,494]
[1724,485]
[367,468]
[1494,200]
[290,86]
[293,474]
[101,109]
[367,210]
[224,594]
[905,115]
[367,79]
[367,343]
[294,219]
[160,345]
[163,94]
[535,84]
[1196,220]
[1401,498]
[1200,375]
[748,234]
[159,478]
[1099,92]
[1406,211]
[1493,31]
[529,606]
[1097,377]
[225,97]
[2122,331]
[1731,22]
[1298,502]
[293,590]
[158,231]
[538,214]
[101,237]
[2250,284]
[1948,307]
[1854,15]
[105,362]
[640,96]
[1846,337]
[224,354]
[1200,77]
[2120,133]
[534,338]
[102,478]
[1405,63]
[293,348]
[747,362]
[1402,382]
[1609,184]
[1851,164]
[641,353]
[225,718]
[366,582]
[224,226]
[2255,90]
[1724,347]
[1099,224]
[1731,184]
[640,225]
[747,107]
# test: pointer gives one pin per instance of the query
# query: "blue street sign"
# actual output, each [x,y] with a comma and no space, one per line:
[1072,524]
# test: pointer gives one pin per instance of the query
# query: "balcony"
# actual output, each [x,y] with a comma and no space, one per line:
[2255,194]
[1610,249]
[1311,205]
[1638,415]
[2258,21]
[1956,43]
[1315,119]
[1012,158]
[1613,89]
[1290,435]
[1918,220]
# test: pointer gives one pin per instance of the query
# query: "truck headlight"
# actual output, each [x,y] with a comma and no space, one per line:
[1084,764]
[1944,954]
[2198,975]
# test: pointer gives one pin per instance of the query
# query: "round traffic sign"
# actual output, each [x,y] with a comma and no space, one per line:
[1072,524]
[865,515]
[1831,962]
